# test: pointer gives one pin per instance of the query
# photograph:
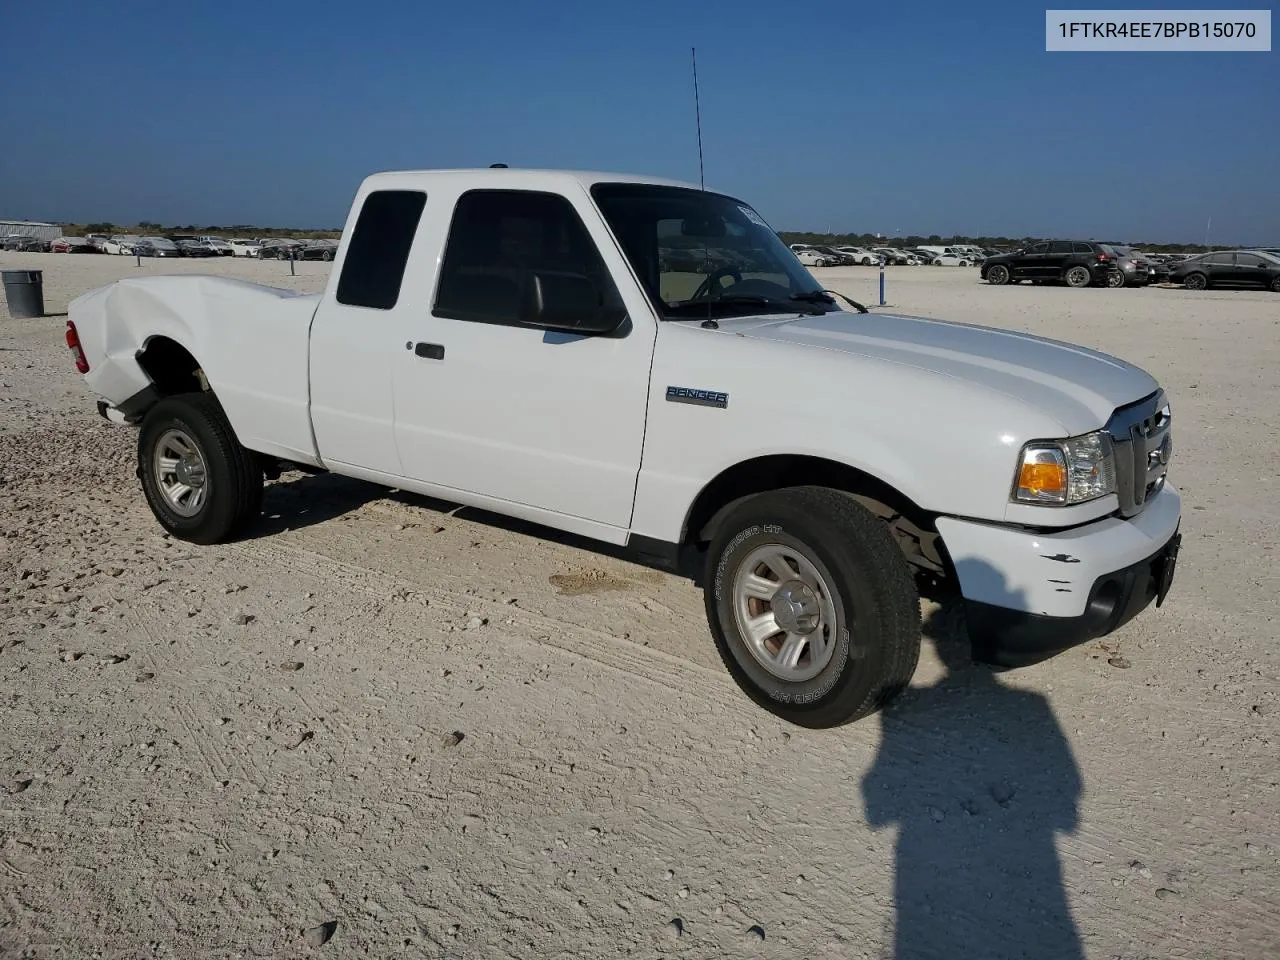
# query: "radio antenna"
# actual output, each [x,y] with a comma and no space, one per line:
[697,110]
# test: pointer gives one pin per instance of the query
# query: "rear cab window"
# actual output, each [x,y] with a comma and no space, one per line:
[379,249]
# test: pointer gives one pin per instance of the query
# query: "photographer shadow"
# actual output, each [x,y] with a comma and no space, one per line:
[979,779]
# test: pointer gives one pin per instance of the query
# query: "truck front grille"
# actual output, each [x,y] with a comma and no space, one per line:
[1142,437]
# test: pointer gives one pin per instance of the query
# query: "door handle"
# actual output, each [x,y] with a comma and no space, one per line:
[431,351]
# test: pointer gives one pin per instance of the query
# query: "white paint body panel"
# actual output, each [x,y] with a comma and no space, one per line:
[250,340]
[577,433]
[937,410]
[1010,567]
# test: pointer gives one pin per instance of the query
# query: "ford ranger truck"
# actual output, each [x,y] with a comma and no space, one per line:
[646,364]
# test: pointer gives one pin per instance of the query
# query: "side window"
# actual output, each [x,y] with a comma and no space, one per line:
[1220,259]
[379,248]
[1060,246]
[1038,248]
[1248,260]
[498,239]
[1081,248]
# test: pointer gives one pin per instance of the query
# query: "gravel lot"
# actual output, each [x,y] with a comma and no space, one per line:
[454,736]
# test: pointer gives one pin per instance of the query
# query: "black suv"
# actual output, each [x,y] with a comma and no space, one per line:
[1078,263]
[1229,269]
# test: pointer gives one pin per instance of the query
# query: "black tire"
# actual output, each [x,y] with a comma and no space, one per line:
[1115,279]
[1077,276]
[873,653]
[326,256]
[1195,281]
[233,474]
[1275,285]
[998,275]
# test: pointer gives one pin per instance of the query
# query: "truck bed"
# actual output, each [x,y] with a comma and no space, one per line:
[249,339]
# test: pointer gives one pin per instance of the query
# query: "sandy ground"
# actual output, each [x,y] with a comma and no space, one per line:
[455,737]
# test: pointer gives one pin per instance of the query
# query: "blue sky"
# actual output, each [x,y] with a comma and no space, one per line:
[881,116]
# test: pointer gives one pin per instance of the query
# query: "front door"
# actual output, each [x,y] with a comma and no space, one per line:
[1029,264]
[488,406]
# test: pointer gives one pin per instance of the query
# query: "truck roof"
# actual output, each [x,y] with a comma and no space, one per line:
[513,177]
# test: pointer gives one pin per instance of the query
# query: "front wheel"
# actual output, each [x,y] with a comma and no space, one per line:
[1275,285]
[1078,277]
[200,483]
[1115,279]
[998,275]
[812,606]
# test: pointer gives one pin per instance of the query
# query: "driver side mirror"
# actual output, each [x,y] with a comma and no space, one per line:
[567,302]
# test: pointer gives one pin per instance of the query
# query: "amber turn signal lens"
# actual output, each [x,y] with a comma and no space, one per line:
[1043,480]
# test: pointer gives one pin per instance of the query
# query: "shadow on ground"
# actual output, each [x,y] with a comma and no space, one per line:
[978,779]
[309,499]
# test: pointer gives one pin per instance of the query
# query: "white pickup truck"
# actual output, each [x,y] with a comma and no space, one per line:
[520,341]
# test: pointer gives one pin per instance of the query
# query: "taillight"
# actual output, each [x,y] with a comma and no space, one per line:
[1102,257]
[73,343]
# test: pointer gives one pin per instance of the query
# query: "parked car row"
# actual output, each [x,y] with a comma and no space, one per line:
[1087,263]
[175,245]
[953,255]
[24,244]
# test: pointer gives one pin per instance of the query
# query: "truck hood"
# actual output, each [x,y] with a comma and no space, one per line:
[1075,386]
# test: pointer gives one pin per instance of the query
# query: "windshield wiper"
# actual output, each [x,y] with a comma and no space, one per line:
[828,296]
[766,301]
[704,306]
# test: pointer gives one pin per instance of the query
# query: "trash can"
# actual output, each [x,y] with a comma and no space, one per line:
[24,290]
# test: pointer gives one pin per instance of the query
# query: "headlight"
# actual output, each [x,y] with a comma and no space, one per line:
[1063,472]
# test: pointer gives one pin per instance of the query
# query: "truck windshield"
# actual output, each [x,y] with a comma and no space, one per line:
[703,255]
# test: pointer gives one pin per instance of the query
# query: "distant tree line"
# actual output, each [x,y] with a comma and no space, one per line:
[788,236]
[995,243]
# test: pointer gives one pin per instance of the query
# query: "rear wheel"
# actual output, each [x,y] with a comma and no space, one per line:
[1077,276]
[1195,281]
[1115,279]
[199,482]
[1275,285]
[812,606]
[998,275]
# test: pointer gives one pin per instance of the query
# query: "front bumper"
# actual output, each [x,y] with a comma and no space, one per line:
[1030,595]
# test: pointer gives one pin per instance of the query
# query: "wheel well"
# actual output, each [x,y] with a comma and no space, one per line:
[912,525]
[171,368]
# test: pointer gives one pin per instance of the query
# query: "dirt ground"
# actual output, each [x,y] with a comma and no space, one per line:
[423,732]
